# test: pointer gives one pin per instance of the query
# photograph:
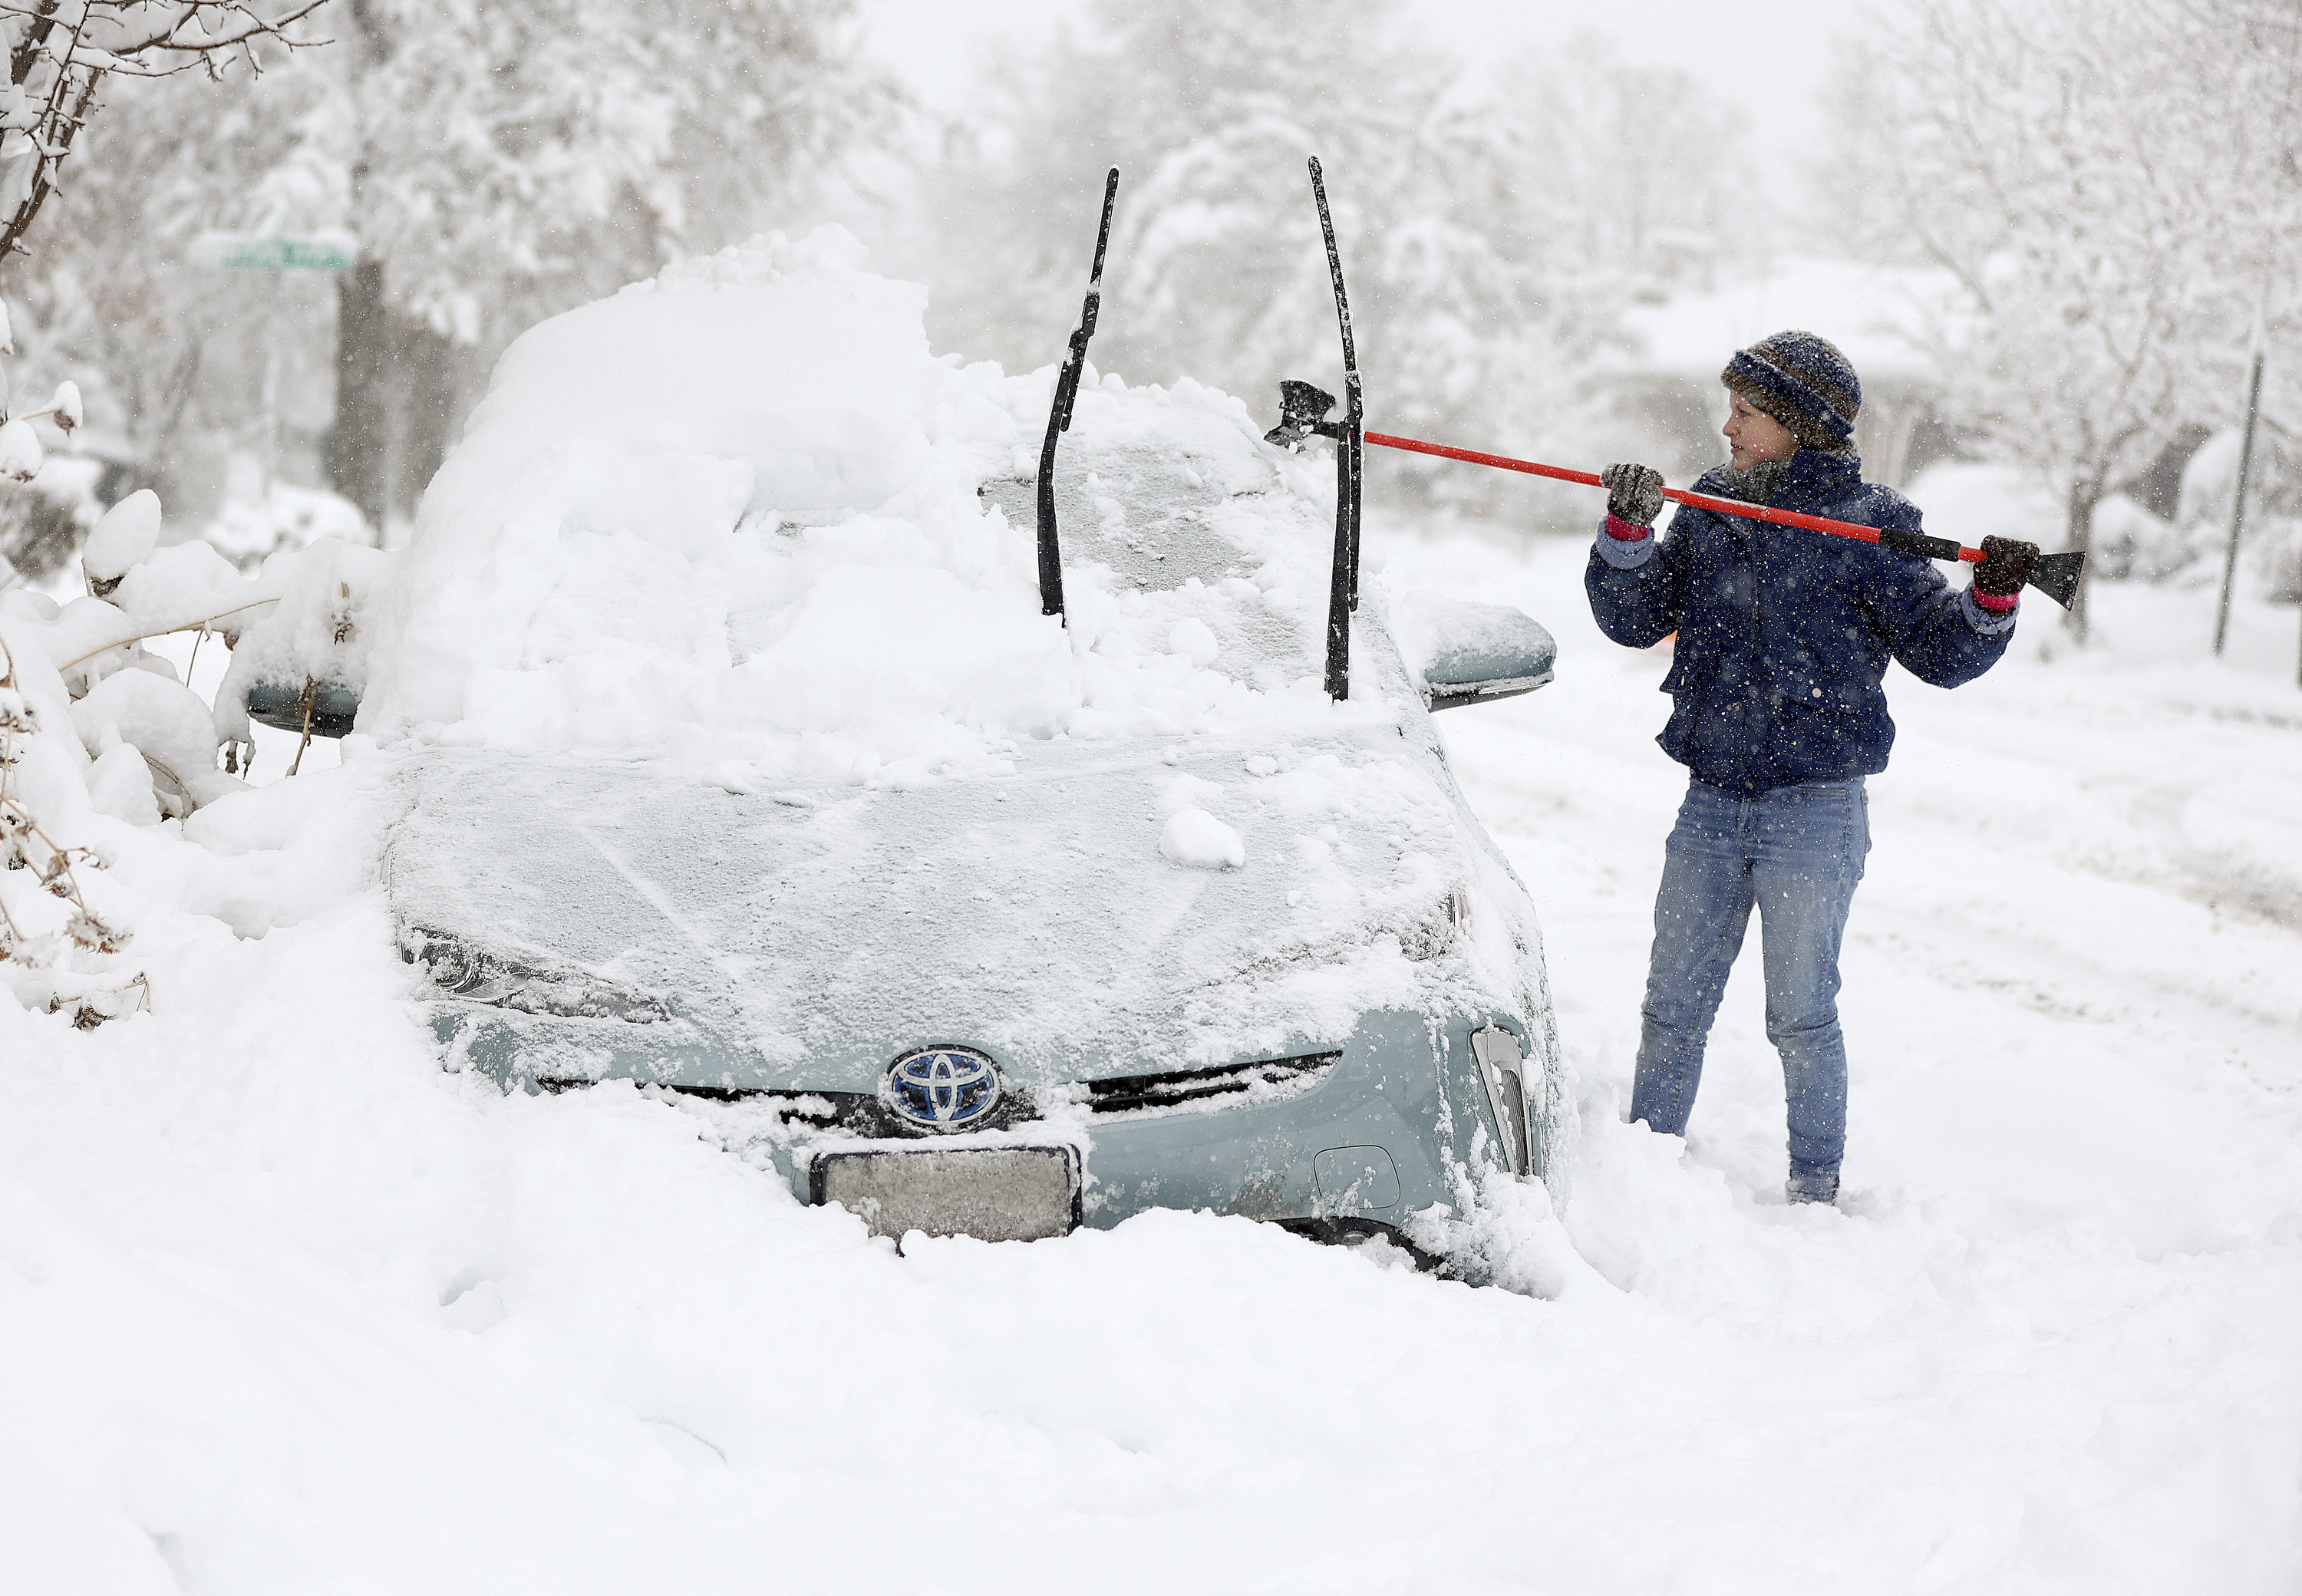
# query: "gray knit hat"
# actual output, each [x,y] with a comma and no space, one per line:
[1802,380]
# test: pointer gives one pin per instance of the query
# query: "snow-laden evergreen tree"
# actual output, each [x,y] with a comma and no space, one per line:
[1481,291]
[2114,186]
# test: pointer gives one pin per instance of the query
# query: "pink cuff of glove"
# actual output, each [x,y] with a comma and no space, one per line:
[1994,603]
[1628,532]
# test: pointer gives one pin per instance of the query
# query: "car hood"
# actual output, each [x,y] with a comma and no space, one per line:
[631,918]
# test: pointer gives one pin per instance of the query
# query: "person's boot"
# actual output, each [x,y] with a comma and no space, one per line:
[1811,1186]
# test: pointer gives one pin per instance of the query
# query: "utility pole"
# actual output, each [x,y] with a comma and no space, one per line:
[2238,501]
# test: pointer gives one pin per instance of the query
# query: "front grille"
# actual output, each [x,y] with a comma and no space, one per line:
[859,1111]
[1263,1078]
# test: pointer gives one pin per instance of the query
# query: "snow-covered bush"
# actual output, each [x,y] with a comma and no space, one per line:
[70,734]
[2130,545]
[58,936]
[44,520]
[96,731]
[260,519]
[21,455]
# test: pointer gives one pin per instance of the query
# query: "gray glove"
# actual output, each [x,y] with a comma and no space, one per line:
[2006,562]
[1634,493]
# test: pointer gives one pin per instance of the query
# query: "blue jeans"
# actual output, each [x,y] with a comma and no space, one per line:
[1796,854]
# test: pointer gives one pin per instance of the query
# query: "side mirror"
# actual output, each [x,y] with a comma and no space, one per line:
[281,705]
[1464,654]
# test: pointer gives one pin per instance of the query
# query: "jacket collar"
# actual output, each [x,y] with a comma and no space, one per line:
[1817,477]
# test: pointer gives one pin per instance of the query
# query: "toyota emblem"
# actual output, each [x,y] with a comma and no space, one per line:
[942,1089]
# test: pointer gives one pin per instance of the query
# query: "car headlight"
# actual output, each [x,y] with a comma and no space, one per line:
[460,968]
[1502,1067]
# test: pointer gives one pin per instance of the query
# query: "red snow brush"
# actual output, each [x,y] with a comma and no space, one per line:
[1303,412]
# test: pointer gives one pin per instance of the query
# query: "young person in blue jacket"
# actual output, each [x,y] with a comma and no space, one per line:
[1777,713]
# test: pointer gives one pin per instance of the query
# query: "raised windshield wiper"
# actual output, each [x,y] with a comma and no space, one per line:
[1059,419]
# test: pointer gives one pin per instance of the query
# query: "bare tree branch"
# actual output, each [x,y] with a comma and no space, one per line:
[58,81]
[252,26]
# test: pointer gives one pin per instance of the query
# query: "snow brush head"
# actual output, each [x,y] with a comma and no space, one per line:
[1302,412]
[2056,576]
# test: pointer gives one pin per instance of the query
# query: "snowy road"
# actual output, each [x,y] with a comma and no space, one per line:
[2051,1348]
[284,1309]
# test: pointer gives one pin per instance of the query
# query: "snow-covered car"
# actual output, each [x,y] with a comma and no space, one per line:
[742,765]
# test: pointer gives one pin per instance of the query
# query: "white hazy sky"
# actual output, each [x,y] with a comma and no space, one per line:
[1772,56]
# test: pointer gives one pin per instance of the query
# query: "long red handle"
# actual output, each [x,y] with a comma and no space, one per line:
[1728,507]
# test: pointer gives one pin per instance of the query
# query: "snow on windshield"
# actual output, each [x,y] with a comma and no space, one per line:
[742,512]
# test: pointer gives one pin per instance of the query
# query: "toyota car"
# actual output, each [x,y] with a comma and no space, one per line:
[1148,916]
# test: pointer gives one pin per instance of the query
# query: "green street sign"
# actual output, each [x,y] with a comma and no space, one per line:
[279,252]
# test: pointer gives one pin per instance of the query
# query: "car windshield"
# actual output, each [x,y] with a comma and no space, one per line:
[800,544]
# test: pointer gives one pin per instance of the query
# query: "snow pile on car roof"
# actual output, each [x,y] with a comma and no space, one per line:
[735,512]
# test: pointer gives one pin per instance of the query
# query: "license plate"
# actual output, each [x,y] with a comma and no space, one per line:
[998,1194]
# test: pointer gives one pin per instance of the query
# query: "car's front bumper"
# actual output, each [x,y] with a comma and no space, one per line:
[1385,1131]
[1378,1136]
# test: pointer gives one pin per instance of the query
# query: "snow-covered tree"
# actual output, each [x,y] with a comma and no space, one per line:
[2113,185]
[1479,295]
[61,51]
[66,58]
[499,163]
[1638,164]
[167,349]
[496,164]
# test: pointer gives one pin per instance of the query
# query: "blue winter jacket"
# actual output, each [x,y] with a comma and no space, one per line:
[1784,633]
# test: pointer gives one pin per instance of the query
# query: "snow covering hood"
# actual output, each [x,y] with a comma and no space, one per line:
[1049,916]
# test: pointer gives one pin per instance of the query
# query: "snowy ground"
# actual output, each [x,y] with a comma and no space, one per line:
[286,1309]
